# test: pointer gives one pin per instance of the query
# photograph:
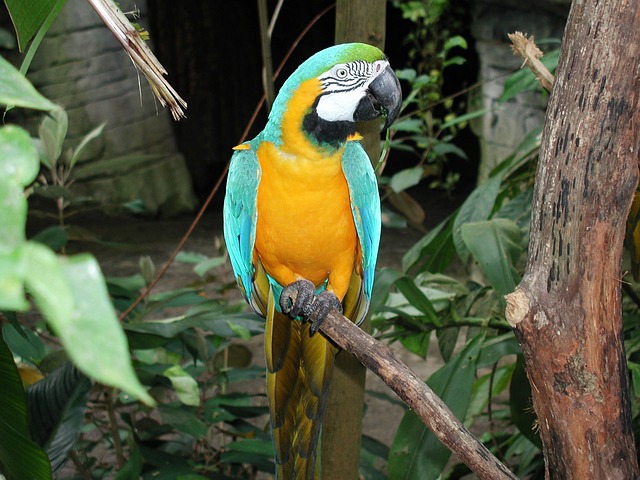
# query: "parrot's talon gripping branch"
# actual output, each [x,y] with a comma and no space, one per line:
[324,303]
[298,299]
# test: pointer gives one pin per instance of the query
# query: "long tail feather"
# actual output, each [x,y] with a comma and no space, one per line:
[299,370]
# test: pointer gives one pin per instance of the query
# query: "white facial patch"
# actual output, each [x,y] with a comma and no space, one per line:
[335,107]
[345,85]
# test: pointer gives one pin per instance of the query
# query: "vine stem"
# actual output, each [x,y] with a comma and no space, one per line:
[209,198]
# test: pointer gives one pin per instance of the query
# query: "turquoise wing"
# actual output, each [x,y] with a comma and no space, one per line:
[365,206]
[240,215]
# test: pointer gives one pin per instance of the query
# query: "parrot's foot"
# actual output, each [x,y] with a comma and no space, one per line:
[298,299]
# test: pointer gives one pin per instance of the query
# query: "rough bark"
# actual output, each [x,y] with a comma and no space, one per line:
[566,312]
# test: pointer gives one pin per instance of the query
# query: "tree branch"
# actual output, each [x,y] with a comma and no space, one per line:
[381,360]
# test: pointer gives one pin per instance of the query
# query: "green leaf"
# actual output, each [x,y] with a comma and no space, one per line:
[183,420]
[406,178]
[20,457]
[525,80]
[522,412]
[24,343]
[19,162]
[416,297]
[56,411]
[495,348]
[72,294]
[252,445]
[447,339]
[413,125]
[478,206]
[417,343]
[455,41]
[465,118]
[496,245]
[16,90]
[240,331]
[444,148]
[12,265]
[416,453]
[27,17]
[214,322]
[432,246]
[54,237]
[202,262]
[86,140]
[383,282]
[52,132]
[132,470]
[184,385]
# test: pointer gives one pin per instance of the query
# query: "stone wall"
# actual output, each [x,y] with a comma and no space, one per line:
[502,130]
[81,66]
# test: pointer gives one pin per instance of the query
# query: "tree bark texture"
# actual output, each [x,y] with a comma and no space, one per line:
[566,312]
[356,21]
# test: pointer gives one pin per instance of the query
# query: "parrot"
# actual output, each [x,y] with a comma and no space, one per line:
[302,224]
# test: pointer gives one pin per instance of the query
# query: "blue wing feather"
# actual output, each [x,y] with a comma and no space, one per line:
[240,215]
[365,206]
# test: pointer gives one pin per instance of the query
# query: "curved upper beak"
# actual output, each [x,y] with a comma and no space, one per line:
[384,98]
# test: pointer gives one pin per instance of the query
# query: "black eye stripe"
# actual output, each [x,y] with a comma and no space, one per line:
[357,74]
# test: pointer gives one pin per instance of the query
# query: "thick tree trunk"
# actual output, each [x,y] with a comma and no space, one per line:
[342,429]
[567,310]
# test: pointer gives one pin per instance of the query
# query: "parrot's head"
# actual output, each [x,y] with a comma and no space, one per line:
[337,87]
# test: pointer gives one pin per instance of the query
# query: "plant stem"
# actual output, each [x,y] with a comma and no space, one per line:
[80,468]
[113,427]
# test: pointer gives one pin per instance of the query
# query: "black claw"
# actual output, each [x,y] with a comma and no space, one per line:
[325,302]
[297,298]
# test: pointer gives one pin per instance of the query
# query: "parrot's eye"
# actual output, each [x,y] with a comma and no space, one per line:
[341,73]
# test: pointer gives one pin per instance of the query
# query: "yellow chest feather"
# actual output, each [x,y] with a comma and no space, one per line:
[305,226]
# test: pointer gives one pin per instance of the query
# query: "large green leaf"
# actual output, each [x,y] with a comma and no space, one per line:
[20,457]
[215,322]
[433,252]
[416,453]
[18,167]
[16,90]
[477,207]
[56,411]
[72,294]
[28,17]
[496,245]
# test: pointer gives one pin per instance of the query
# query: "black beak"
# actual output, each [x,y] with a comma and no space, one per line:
[384,97]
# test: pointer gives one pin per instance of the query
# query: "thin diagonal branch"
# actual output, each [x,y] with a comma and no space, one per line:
[382,361]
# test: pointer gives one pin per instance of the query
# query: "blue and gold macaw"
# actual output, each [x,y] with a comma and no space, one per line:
[302,213]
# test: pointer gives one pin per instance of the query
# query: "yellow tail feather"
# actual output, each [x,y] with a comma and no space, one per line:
[299,370]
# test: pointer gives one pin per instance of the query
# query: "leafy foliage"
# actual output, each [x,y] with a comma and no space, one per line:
[426,136]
